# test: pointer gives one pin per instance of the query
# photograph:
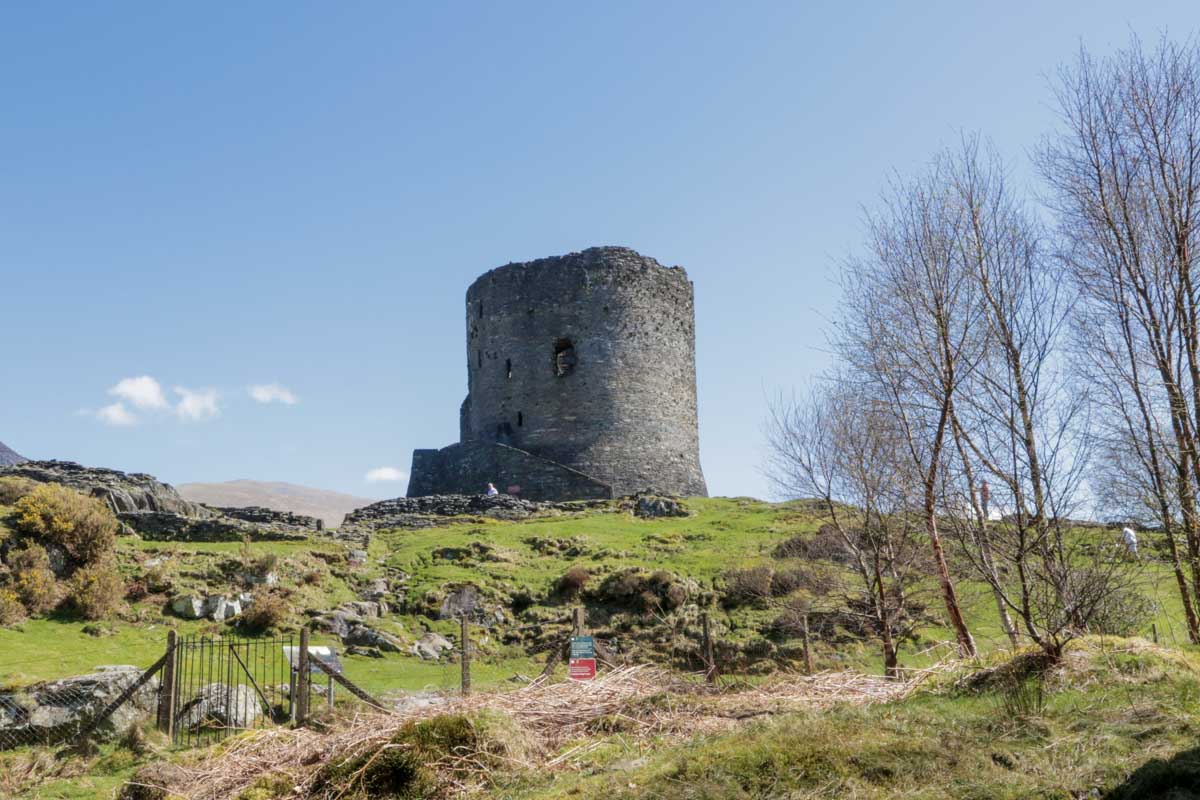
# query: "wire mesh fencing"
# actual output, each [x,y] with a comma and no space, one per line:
[103,704]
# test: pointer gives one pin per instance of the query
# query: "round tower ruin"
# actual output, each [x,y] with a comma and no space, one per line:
[584,363]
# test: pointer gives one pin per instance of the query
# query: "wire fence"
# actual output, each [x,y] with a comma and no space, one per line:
[55,712]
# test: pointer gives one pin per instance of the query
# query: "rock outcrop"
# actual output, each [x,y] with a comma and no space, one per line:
[54,709]
[123,492]
[431,510]
[650,507]
[156,511]
[8,456]
[164,526]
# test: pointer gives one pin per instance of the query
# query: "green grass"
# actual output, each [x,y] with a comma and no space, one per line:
[721,533]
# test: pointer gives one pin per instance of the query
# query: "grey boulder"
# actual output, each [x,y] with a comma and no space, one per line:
[222,608]
[360,635]
[58,708]
[219,705]
[188,606]
[431,646]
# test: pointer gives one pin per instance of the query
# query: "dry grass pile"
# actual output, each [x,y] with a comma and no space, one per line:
[554,721]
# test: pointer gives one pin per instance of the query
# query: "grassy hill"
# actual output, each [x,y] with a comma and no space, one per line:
[643,583]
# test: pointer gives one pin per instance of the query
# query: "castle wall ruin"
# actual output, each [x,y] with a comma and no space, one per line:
[584,363]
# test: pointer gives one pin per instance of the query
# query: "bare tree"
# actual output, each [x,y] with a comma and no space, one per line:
[844,449]
[1018,421]
[1125,172]
[910,333]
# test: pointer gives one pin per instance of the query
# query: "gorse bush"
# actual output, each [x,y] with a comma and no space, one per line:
[12,610]
[97,590]
[33,580]
[83,526]
[13,488]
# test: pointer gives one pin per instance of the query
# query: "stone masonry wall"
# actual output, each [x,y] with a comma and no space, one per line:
[587,360]
[468,467]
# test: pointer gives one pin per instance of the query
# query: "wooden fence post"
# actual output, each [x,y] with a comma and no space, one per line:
[808,659]
[578,627]
[166,691]
[302,679]
[466,655]
[710,673]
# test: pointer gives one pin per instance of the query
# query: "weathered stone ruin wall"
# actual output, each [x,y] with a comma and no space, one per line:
[586,361]
[468,467]
[271,517]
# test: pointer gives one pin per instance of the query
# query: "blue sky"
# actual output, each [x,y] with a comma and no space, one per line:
[294,197]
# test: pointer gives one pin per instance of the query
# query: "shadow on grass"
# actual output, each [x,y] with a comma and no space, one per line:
[1176,778]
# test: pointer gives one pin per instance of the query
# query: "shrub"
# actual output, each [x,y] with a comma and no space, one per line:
[268,610]
[34,582]
[827,544]
[11,609]
[13,488]
[97,590]
[748,586]
[632,588]
[31,556]
[1122,612]
[158,579]
[815,581]
[38,590]
[264,564]
[571,583]
[83,526]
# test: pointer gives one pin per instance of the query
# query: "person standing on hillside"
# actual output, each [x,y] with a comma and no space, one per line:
[492,491]
[1131,544]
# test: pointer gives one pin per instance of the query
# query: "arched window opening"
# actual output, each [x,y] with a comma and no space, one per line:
[564,357]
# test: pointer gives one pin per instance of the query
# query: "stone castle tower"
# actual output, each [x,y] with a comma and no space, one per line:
[581,376]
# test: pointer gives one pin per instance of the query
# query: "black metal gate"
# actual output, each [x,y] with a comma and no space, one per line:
[226,684]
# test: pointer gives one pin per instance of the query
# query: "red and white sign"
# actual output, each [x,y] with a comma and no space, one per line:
[581,669]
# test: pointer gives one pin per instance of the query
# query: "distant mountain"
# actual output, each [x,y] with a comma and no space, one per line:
[9,457]
[325,505]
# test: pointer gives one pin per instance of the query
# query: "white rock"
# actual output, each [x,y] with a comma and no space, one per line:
[189,606]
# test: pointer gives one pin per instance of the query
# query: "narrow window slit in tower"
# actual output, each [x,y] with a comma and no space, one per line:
[508,367]
[481,309]
[564,357]
[479,358]
[520,419]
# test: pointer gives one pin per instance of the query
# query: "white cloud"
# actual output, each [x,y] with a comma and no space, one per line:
[382,474]
[116,414]
[273,393]
[195,406]
[142,391]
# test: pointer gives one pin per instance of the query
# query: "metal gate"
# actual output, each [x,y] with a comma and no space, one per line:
[225,684]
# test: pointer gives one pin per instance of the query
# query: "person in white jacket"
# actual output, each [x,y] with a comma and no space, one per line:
[1130,540]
